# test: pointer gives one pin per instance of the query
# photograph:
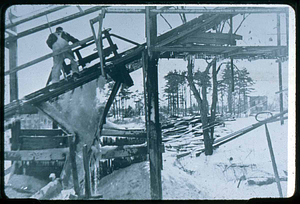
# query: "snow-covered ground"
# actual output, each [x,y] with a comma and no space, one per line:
[227,174]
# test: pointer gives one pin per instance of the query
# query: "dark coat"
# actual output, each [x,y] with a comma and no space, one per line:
[52,38]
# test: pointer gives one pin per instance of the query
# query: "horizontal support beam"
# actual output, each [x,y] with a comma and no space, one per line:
[226,10]
[124,10]
[54,23]
[48,11]
[110,152]
[37,155]
[216,35]
[214,49]
[23,66]
[124,133]
[41,132]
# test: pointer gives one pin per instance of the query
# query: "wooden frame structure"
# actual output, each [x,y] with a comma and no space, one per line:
[169,45]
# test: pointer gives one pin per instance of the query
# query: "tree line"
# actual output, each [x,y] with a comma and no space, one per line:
[235,85]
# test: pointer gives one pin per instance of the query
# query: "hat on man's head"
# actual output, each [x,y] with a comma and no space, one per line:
[59,29]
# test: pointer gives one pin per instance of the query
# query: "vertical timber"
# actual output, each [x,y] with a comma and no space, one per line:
[13,83]
[280,70]
[153,129]
[73,164]
[86,172]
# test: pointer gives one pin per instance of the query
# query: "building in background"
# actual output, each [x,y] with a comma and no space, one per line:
[258,104]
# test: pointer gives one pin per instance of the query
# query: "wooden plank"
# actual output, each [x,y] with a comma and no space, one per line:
[108,104]
[65,174]
[87,177]
[273,161]
[238,52]
[204,25]
[229,10]
[48,11]
[206,41]
[37,155]
[54,23]
[42,142]
[13,85]
[124,133]
[41,132]
[72,157]
[23,66]
[280,69]
[109,152]
[219,36]
[90,74]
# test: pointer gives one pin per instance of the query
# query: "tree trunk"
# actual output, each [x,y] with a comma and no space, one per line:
[177,102]
[245,103]
[229,98]
[203,105]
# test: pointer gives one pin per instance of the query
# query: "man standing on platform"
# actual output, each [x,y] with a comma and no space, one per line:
[56,41]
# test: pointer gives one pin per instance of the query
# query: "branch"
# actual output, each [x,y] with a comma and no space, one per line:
[166,21]
[244,18]
[210,64]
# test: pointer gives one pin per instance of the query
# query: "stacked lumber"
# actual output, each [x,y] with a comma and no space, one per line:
[185,134]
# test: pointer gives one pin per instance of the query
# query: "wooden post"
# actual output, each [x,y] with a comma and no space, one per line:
[86,172]
[273,161]
[287,28]
[13,84]
[214,98]
[153,129]
[280,69]
[231,59]
[73,164]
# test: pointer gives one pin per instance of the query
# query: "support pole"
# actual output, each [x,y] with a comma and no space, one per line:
[287,29]
[13,84]
[273,161]
[153,125]
[86,172]
[231,59]
[280,69]
[73,164]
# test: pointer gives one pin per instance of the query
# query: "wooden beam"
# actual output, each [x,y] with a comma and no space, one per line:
[23,66]
[43,142]
[153,125]
[231,136]
[124,10]
[280,69]
[108,104]
[203,26]
[110,152]
[124,133]
[36,155]
[54,23]
[224,36]
[200,40]
[273,161]
[87,76]
[86,166]
[218,49]
[13,86]
[228,10]
[48,11]
[41,132]
[73,164]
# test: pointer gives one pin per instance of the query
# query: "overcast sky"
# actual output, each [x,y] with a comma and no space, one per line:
[257,29]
